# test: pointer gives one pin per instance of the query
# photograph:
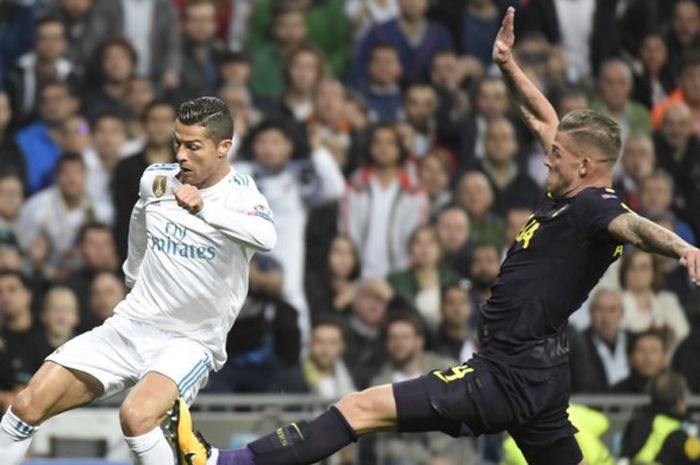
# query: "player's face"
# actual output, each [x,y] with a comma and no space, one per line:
[201,159]
[563,165]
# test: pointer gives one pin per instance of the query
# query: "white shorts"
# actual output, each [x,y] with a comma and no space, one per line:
[121,351]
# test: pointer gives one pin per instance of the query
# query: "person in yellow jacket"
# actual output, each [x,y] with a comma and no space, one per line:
[591,424]
[657,433]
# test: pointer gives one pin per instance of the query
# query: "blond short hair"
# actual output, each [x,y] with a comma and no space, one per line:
[592,129]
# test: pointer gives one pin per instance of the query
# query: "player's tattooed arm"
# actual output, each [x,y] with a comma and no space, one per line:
[533,106]
[650,237]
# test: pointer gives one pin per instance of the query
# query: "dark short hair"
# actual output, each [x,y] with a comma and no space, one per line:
[463,285]
[690,59]
[666,389]
[209,112]
[328,320]
[69,157]
[654,333]
[152,105]
[406,317]
[121,42]
[92,226]
[108,115]
[48,19]
[5,273]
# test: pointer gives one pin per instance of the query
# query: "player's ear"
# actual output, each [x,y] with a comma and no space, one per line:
[224,147]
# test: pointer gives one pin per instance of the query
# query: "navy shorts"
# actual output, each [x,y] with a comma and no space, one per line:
[485,397]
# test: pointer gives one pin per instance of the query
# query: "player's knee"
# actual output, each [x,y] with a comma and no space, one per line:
[30,407]
[137,419]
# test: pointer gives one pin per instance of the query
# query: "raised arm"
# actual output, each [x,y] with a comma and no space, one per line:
[650,237]
[533,106]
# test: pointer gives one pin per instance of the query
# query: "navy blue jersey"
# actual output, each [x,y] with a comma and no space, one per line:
[556,259]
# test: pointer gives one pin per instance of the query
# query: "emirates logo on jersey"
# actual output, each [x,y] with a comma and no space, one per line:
[159,184]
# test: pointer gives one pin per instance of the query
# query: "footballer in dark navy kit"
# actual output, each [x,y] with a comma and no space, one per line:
[519,380]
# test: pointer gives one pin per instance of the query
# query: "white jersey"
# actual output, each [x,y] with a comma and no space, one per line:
[190,272]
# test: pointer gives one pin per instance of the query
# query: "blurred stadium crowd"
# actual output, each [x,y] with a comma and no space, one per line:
[385,142]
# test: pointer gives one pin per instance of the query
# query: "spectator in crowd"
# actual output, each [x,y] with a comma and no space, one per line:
[56,215]
[645,302]
[448,74]
[534,54]
[364,14]
[415,38]
[201,51]
[106,291]
[485,266]
[683,35]
[453,231]
[420,107]
[408,359]
[606,341]
[655,80]
[109,145]
[678,151]
[22,337]
[422,281]
[512,186]
[572,97]
[686,360]
[60,317]
[266,340]
[86,27]
[377,196]
[615,90]
[656,433]
[98,253]
[334,288]
[32,70]
[11,199]
[329,114]
[239,101]
[109,92]
[149,27]
[74,135]
[675,281]
[235,68]
[688,92]
[475,196]
[291,187]
[304,68]
[648,357]
[141,93]
[515,220]
[158,120]
[365,352]
[40,142]
[481,20]
[434,177]
[10,155]
[324,371]
[289,31]
[638,161]
[454,338]
[490,102]
[328,28]
[382,90]
[657,197]
[17,23]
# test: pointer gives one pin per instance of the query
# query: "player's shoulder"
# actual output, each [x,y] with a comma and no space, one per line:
[156,178]
[598,195]
[240,180]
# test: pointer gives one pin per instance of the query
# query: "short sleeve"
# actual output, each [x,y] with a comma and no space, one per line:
[593,209]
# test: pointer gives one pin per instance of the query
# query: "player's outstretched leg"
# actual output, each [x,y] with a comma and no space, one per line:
[300,442]
[141,414]
[52,390]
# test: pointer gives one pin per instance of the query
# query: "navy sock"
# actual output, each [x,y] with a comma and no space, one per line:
[304,442]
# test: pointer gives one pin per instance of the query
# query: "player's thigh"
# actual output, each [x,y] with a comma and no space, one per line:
[147,404]
[54,389]
[371,410]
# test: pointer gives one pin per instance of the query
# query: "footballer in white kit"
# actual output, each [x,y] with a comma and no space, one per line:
[193,231]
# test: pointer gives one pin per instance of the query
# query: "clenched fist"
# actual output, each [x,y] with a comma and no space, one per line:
[189,198]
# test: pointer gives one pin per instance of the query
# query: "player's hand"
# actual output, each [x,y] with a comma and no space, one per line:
[189,198]
[503,45]
[691,260]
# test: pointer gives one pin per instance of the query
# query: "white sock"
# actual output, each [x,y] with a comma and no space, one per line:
[151,449]
[15,437]
[214,456]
